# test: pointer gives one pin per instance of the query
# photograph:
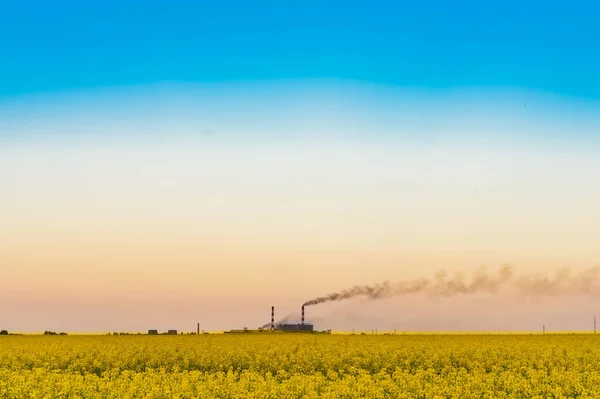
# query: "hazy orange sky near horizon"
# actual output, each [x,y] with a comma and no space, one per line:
[99,236]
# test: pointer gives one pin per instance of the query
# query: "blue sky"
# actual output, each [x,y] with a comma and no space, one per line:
[144,142]
[61,46]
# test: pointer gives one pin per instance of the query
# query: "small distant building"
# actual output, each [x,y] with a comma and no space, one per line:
[152,332]
[305,327]
[172,332]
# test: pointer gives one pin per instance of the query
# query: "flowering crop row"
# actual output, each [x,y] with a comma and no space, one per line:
[300,366]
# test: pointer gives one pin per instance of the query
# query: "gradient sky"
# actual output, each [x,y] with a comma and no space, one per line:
[168,164]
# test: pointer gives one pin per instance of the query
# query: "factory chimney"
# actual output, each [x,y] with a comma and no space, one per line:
[302,314]
[272,317]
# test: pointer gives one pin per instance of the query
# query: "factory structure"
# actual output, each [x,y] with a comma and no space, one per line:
[301,327]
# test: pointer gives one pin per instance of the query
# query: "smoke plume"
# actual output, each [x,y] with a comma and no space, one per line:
[280,321]
[443,285]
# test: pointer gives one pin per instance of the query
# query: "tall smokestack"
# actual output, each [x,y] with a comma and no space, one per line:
[302,314]
[272,317]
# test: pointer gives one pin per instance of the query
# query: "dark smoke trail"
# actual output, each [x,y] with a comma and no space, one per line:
[280,321]
[481,282]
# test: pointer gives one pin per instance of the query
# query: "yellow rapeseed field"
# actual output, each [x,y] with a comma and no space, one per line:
[301,366]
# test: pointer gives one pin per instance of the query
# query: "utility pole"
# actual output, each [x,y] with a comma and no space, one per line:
[198,329]
[594,324]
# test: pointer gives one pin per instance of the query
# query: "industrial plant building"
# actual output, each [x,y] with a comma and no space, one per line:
[295,327]
[301,327]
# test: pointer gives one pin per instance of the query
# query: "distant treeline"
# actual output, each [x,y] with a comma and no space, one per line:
[4,332]
[124,333]
[151,332]
[155,332]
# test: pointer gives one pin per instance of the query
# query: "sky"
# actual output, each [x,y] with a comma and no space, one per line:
[171,163]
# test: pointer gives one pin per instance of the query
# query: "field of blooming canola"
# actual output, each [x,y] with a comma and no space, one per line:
[300,366]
